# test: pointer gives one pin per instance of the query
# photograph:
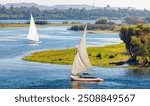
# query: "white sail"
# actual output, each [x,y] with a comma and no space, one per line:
[33,35]
[81,62]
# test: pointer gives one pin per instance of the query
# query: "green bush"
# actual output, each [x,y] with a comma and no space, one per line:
[102,21]
[137,41]
[135,20]
[42,22]
[111,56]
[93,27]
[99,56]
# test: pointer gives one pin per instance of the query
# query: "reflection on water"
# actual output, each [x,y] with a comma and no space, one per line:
[77,85]
[138,72]
[16,73]
[116,78]
[82,85]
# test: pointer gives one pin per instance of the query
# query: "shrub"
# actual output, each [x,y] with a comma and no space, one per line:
[40,22]
[111,56]
[65,22]
[93,27]
[135,20]
[60,59]
[89,54]
[99,56]
[102,21]
[111,23]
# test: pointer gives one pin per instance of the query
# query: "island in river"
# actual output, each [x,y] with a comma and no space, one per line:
[34,75]
[9,25]
[106,56]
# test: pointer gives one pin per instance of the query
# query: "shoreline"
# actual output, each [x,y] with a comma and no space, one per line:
[57,24]
[111,56]
[102,32]
[3,25]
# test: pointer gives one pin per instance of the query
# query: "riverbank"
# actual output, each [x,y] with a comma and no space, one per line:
[13,25]
[27,25]
[57,24]
[107,56]
[103,31]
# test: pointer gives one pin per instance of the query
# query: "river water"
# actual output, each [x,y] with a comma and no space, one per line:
[56,21]
[16,73]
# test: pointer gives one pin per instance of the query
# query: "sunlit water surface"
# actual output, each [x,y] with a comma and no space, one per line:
[16,73]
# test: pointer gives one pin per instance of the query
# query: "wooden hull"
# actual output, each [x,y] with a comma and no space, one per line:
[77,78]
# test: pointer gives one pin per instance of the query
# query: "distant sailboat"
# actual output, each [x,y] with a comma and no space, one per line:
[33,34]
[82,63]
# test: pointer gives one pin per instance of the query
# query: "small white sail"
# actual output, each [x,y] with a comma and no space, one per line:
[81,62]
[33,35]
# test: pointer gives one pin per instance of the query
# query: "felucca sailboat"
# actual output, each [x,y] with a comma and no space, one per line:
[82,63]
[33,34]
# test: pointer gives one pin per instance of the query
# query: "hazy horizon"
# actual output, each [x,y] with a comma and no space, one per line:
[138,4]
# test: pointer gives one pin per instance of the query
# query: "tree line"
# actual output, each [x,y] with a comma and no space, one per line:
[74,14]
[100,24]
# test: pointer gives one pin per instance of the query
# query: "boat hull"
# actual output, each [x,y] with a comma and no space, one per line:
[77,78]
[36,42]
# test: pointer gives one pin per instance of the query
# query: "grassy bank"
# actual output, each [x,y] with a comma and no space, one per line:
[103,31]
[55,24]
[97,27]
[27,25]
[13,25]
[107,56]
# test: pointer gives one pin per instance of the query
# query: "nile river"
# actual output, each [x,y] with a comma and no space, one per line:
[16,73]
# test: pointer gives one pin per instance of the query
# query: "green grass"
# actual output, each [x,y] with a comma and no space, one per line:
[54,24]
[13,25]
[27,25]
[107,56]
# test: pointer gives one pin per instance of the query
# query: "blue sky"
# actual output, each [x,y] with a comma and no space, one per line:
[139,4]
